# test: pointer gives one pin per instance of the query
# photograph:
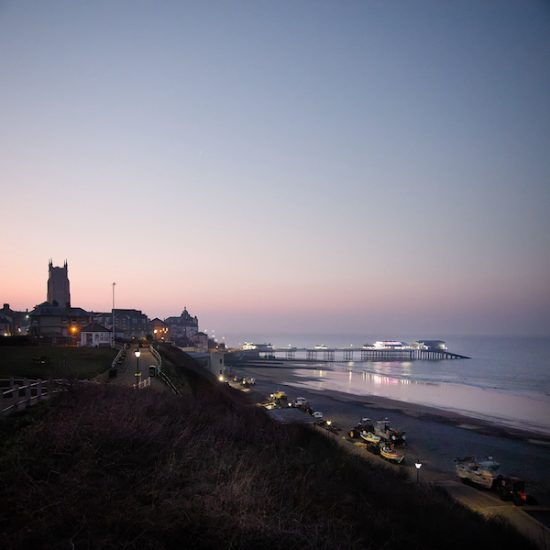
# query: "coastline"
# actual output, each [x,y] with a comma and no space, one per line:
[416,410]
[436,435]
[444,416]
[519,414]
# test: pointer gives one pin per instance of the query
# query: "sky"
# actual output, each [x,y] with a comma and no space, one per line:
[281,166]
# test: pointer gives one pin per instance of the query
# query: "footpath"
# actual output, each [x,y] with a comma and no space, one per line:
[126,372]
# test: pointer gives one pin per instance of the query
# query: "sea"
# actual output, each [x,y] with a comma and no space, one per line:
[506,380]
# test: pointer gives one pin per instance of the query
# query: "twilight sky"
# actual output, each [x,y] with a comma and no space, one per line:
[364,167]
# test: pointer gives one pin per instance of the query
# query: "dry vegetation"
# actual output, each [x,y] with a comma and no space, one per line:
[20,361]
[108,467]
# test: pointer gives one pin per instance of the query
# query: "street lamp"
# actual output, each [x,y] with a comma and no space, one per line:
[113,335]
[137,353]
[417,465]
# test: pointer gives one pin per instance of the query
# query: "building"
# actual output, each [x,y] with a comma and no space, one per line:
[5,326]
[214,361]
[200,341]
[159,330]
[130,323]
[430,345]
[58,325]
[58,285]
[391,344]
[95,335]
[250,346]
[55,321]
[182,329]
[13,323]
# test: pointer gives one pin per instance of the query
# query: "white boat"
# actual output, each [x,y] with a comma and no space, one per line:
[370,437]
[482,472]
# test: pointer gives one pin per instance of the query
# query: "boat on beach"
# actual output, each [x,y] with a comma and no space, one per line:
[389,452]
[483,472]
[370,437]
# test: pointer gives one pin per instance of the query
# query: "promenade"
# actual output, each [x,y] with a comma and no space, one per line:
[126,372]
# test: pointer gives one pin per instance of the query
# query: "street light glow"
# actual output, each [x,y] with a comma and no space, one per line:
[417,465]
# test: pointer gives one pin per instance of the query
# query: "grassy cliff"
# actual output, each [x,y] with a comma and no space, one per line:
[109,467]
[54,362]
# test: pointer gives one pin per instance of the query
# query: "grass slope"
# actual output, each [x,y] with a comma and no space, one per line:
[63,362]
[110,467]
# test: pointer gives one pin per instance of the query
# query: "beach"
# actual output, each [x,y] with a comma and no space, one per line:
[435,435]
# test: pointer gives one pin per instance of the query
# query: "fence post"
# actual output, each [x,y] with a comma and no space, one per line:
[15,394]
[27,393]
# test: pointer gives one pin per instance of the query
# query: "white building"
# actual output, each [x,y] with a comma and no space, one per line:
[95,335]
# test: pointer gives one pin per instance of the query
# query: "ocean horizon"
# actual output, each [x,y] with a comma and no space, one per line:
[520,363]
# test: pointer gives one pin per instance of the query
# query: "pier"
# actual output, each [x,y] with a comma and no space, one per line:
[356,354]
[352,353]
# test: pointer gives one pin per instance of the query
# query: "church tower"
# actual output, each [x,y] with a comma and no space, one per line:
[58,285]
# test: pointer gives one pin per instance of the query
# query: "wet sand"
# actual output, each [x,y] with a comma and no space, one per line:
[435,436]
[526,411]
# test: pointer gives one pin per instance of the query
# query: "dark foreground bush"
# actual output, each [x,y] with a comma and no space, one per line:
[54,361]
[108,467]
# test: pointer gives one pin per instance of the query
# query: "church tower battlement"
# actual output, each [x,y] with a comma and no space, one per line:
[58,285]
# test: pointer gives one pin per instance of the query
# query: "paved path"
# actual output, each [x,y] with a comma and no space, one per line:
[489,505]
[126,373]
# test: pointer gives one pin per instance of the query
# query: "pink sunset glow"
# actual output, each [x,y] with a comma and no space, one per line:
[296,183]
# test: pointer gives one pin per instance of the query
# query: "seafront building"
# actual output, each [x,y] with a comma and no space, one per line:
[425,345]
[430,345]
[182,329]
[56,321]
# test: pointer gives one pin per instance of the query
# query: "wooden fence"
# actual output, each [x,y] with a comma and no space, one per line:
[20,393]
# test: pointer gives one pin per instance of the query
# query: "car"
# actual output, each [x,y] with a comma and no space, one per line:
[276,400]
[511,488]
[301,403]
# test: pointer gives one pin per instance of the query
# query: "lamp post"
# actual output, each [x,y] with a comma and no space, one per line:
[113,331]
[417,465]
[137,353]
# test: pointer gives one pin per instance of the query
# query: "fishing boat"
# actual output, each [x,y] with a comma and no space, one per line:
[390,453]
[481,472]
[369,437]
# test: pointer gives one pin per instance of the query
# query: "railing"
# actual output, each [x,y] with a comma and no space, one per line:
[162,375]
[119,357]
[157,356]
[23,393]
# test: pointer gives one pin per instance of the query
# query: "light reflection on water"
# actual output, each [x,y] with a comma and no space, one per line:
[378,379]
[525,410]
